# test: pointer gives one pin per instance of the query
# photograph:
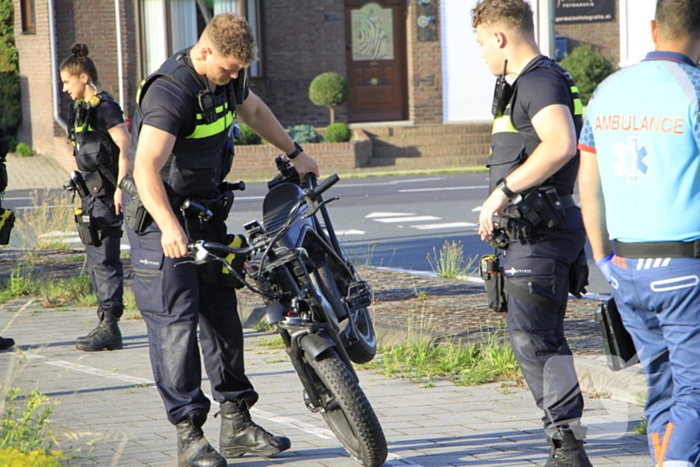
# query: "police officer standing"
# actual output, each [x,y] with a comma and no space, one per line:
[101,145]
[533,168]
[184,125]
[5,342]
[640,195]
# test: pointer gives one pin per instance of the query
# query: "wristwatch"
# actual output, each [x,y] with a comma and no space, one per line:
[504,188]
[297,151]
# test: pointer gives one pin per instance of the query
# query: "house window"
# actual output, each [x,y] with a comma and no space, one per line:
[172,25]
[28,16]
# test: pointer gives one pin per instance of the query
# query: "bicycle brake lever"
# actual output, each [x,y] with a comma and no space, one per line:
[317,207]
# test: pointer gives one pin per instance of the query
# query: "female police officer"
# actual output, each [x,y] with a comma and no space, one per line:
[101,145]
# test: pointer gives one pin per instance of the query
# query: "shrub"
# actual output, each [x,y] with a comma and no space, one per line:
[329,90]
[248,136]
[304,134]
[10,101]
[337,133]
[588,68]
[24,150]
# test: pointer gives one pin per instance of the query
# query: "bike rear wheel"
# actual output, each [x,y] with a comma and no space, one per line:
[348,412]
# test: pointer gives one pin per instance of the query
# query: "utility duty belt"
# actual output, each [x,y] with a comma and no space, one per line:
[657,249]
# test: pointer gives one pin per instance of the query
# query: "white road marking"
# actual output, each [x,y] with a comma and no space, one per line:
[453,188]
[393,182]
[374,215]
[98,372]
[350,232]
[249,198]
[17,199]
[391,220]
[477,209]
[448,225]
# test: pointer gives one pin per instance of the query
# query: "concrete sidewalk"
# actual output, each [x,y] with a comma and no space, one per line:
[111,415]
[36,172]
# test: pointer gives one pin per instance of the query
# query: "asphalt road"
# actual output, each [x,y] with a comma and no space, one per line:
[395,222]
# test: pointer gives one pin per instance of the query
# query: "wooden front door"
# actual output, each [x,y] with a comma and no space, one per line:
[376,58]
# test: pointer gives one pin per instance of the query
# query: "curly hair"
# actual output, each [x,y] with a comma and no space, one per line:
[79,62]
[232,36]
[513,13]
[678,19]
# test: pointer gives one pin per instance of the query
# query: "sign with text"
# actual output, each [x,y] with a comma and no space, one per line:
[584,11]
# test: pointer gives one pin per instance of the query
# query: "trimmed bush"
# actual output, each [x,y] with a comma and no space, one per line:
[248,136]
[304,134]
[588,68]
[329,90]
[24,150]
[10,97]
[337,133]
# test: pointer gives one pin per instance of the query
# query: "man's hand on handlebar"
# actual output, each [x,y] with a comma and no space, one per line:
[305,164]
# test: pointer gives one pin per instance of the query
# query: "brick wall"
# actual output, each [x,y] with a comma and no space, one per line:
[424,67]
[89,21]
[603,36]
[301,39]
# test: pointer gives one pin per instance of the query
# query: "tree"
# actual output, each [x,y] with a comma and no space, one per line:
[10,98]
[329,90]
[588,68]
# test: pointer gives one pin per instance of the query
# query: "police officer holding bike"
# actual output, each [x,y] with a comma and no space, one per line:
[101,145]
[533,168]
[184,128]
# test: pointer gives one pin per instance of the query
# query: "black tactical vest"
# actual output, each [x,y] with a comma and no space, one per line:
[511,147]
[93,148]
[200,161]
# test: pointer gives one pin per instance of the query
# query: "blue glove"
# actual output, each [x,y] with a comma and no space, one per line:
[604,266]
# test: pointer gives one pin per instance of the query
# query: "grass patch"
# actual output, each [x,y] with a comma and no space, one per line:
[263,326]
[54,292]
[272,343]
[47,225]
[449,262]
[465,364]
[20,283]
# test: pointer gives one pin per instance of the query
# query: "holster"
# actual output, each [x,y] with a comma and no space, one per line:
[538,207]
[7,221]
[87,230]
[494,282]
[135,214]
[617,342]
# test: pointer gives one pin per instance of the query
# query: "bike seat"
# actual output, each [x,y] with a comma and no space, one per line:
[277,204]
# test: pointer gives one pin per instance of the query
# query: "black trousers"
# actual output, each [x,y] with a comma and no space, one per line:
[175,298]
[537,334]
[104,264]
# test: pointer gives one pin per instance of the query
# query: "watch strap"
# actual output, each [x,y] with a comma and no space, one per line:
[296,151]
[504,188]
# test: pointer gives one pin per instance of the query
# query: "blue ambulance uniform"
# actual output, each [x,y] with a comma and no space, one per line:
[643,124]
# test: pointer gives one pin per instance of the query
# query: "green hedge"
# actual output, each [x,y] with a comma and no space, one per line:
[248,136]
[588,68]
[10,98]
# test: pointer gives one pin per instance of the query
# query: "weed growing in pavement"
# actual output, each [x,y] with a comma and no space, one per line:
[263,326]
[641,429]
[19,283]
[47,225]
[449,262]
[130,301]
[24,437]
[54,292]
[272,343]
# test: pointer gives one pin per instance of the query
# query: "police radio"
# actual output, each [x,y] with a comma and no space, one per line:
[501,94]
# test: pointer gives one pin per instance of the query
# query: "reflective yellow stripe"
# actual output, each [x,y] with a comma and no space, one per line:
[204,130]
[138,91]
[503,125]
[578,104]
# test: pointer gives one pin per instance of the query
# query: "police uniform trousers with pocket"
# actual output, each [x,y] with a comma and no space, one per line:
[104,264]
[659,302]
[175,296]
[537,334]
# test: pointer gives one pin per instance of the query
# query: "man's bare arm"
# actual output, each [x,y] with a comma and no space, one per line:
[258,116]
[152,153]
[593,205]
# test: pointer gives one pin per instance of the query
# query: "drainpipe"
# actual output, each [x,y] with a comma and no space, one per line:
[120,64]
[54,72]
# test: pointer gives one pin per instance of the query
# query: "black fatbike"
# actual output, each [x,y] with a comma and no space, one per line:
[318,303]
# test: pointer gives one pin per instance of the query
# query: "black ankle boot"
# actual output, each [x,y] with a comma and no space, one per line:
[240,435]
[567,452]
[106,336]
[193,449]
[6,342]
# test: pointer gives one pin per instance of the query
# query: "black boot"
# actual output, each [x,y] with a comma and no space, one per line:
[6,343]
[106,336]
[240,435]
[193,449]
[567,452]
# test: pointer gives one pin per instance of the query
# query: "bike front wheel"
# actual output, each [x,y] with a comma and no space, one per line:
[348,412]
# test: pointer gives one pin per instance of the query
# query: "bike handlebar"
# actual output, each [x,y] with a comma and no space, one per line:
[317,191]
[200,249]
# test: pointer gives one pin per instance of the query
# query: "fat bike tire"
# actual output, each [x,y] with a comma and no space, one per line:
[364,348]
[349,414]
